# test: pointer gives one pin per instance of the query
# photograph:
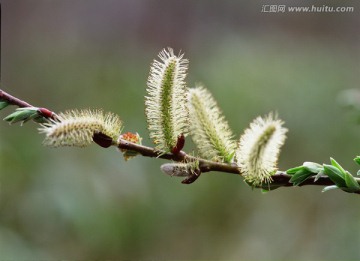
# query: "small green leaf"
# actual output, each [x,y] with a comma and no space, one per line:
[358,172]
[13,116]
[357,160]
[294,170]
[313,167]
[22,115]
[337,165]
[351,183]
[3,104]
[300,176]
[335,175]
[329,188]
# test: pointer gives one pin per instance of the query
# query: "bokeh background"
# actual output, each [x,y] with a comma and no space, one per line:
[83,204]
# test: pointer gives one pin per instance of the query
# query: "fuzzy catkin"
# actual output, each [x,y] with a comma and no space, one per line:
[77,128]
[259,149]
[208,128]
[166,101]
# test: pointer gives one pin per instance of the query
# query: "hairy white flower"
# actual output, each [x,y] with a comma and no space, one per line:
[259,148]
[166,104]
[77,128]
[209,129]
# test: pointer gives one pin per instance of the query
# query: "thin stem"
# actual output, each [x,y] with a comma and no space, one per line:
[13,100]
[23,104]
[279,179]
[204,165]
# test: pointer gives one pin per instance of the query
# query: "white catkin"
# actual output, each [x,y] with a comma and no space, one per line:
[166,101]
[208,128]
[259,148]
[77,127]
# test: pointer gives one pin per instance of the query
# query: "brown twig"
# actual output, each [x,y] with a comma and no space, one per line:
[23,104]
[280,179]
[13,100]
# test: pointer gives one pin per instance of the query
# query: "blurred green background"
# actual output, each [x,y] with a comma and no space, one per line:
[83,204]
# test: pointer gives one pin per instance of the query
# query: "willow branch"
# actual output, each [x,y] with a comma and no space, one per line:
[279,179]
[4,96]
[204,165]
[13,100]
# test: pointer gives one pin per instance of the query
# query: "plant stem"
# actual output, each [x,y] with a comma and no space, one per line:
[279,179]
[13,100]
[23,104]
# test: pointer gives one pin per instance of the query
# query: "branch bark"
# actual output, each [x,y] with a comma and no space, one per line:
[13,100]
[280,179]
[23,104]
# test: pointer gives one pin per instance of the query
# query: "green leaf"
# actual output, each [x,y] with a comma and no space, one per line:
[351,183]
[357,160]
[313,167]
[342,178]
[310,167]
[358,172]
[300,176]
[329,188]
[335,175]
[3,104]
[294,170]
[22,115]
[337,165]
[13,117]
